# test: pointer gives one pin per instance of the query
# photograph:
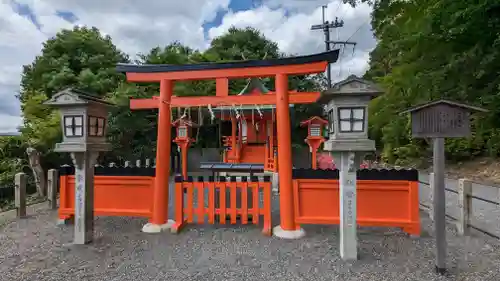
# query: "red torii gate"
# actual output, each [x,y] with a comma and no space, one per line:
[166,75]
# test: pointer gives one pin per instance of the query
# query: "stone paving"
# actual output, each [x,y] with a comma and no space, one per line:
[37,249]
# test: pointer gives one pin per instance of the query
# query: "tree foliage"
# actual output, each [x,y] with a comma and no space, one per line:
[80,58]
[12,161]
[433,49]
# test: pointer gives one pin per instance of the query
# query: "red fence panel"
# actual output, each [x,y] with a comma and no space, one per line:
[380,201]
[217,198]
[113,196]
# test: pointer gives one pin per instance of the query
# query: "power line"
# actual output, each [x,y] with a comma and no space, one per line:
[359,28]
[338,6]
[343,12]
[336,10]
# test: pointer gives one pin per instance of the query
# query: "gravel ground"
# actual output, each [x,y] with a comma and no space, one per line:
[37,249]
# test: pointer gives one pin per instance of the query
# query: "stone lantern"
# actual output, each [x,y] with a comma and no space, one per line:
[347,107]
[83,121]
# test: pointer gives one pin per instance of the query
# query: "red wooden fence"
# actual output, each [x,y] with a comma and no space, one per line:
[386,198]
[113,196]
[185,201]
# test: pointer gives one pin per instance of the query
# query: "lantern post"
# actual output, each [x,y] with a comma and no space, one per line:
[183,140]
[347,107]
[439,120]
[314,137]
[84,137]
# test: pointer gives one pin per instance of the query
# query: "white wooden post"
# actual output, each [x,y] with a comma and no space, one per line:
[431,196]
[127,164]
[52,183]
[148,163]
[138,163]
[20,194]
[464,206]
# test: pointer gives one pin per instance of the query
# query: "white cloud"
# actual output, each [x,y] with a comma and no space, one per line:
[298,6]
[19,42]
[9,123]
[137,26]
[293,33]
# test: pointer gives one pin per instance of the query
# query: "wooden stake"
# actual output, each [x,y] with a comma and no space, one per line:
[52,183]
[20,194]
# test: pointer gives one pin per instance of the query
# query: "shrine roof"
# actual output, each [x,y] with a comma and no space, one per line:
[446,102]
[182,121]
[72,96]
[315,120]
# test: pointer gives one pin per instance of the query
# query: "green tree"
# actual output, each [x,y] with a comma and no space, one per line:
[80,58]
[434,49]
[12,161]
[133,133]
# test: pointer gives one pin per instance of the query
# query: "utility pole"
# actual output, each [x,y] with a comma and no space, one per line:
[326,26]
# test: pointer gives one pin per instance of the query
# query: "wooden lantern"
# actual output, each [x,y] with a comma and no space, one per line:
[314,138]
[183,130]
[315,126]
[183,139]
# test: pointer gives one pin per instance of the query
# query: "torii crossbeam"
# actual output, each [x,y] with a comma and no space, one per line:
[269,98]
[166,75]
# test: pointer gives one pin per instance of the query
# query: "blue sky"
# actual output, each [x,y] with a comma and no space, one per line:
[235,6]
[26,11]
[137,26]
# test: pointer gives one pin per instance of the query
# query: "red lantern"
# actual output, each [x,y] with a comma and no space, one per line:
[314,138]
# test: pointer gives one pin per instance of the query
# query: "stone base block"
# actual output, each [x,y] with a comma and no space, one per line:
[157,228]
[288,234]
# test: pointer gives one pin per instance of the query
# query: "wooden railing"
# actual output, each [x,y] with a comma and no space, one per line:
[227,142]
[471,205]
[214,197]
[271,163]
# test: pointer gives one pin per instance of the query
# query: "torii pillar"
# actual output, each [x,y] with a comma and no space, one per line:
[288,228]
[159,220]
